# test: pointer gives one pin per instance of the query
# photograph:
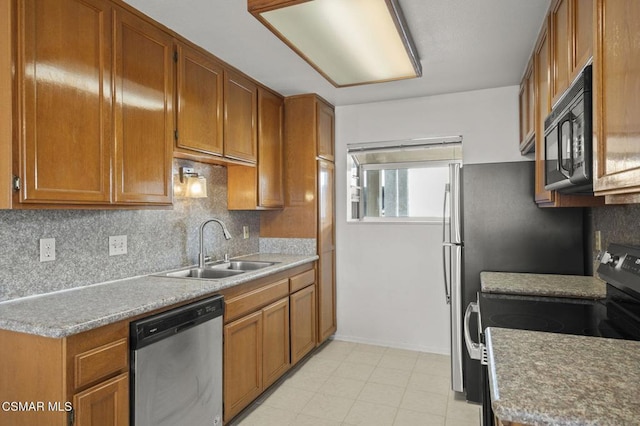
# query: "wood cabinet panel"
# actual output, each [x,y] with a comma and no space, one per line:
[261,187]
[560,48]
[303,322]
[582,31]
[199,101]
[326,206]
[301,281]
[270,150]
[7,37]
[106,404]
[242,363]
[64,82]
[275,352]
[543,107]
[327,323]
[143,111]
[616,101]
[255,299]
[100,362]
[240,116]
[325,130]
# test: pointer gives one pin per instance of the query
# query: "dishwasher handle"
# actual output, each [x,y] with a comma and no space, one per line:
[166,324]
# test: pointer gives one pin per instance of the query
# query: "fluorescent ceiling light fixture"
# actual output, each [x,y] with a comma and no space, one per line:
[349,42]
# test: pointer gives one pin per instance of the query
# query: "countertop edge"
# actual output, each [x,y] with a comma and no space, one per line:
[57,332]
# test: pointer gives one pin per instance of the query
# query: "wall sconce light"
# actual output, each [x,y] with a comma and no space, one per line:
[349,42]
[189,184]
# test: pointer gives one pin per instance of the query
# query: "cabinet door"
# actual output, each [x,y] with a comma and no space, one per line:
[326,251]
[560,48]
[143,112]
[582,32]
[106,404]
[527,106]
[303,322]
[324,130]
[270,154]
[616,101]
[63,79]
[242,363]
[199,102]
[240,114]
[275,340]
[543,107]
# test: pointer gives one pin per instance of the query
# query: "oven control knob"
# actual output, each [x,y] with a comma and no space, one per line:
[609,259]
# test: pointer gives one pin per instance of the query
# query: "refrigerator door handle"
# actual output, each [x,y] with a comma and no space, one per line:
[445,244]
[474,349]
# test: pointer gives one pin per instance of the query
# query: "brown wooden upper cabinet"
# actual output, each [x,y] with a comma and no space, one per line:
[542,78]
[261,187]
[240,117]
[616,108]
[325,118]
[571,46]
[199,102]
[143,111]
[82,140]
[527,110]
[64,101]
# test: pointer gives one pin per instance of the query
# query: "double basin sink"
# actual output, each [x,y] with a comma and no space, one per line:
[220,270]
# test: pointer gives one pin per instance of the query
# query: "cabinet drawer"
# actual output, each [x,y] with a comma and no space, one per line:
[302,280]
[98,363]
[256,299]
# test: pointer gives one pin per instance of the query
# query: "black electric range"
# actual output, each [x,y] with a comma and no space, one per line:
[616,316]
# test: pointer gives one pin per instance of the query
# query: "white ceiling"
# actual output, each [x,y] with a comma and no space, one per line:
[463,45]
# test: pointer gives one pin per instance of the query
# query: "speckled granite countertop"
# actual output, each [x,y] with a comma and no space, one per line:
[541,378]
[543,285]
[69,312]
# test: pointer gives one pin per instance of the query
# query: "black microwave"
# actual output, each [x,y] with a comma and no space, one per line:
[568,139]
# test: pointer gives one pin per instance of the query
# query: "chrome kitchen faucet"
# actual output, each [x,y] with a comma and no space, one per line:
[227,236]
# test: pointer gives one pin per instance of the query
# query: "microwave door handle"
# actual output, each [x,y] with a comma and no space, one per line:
[568,117]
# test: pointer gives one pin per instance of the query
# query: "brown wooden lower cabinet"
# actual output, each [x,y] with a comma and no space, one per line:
[270,324]
[242,363]
[275,341]
[106,404]
[303,322]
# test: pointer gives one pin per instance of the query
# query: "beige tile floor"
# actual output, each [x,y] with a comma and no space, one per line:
[347,383]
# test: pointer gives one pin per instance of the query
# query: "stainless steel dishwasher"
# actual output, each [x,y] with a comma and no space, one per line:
[176,366]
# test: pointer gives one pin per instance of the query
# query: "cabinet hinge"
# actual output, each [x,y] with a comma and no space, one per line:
[71,417]
[175,134]
[175,56]
[15,185]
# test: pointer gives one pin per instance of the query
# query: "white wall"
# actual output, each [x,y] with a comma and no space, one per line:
[390,287]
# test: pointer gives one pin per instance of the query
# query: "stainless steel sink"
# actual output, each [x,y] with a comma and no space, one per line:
[206,273]
[248,265]
[220,270]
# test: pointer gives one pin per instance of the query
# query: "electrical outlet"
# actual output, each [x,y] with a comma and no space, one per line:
[245,232]
[117,245]
[597,241]
[47,249]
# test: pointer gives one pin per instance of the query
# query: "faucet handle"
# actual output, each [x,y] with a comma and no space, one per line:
[226,257]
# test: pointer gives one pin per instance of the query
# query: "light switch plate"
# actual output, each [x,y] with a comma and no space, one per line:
[245,232]
[47,249]
[117,245]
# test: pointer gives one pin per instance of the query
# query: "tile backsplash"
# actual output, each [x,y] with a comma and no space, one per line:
[157,240]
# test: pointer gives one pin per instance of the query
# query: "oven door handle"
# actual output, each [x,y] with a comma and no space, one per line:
[474,349]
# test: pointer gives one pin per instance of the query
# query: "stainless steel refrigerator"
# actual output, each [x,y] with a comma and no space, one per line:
[493,224]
